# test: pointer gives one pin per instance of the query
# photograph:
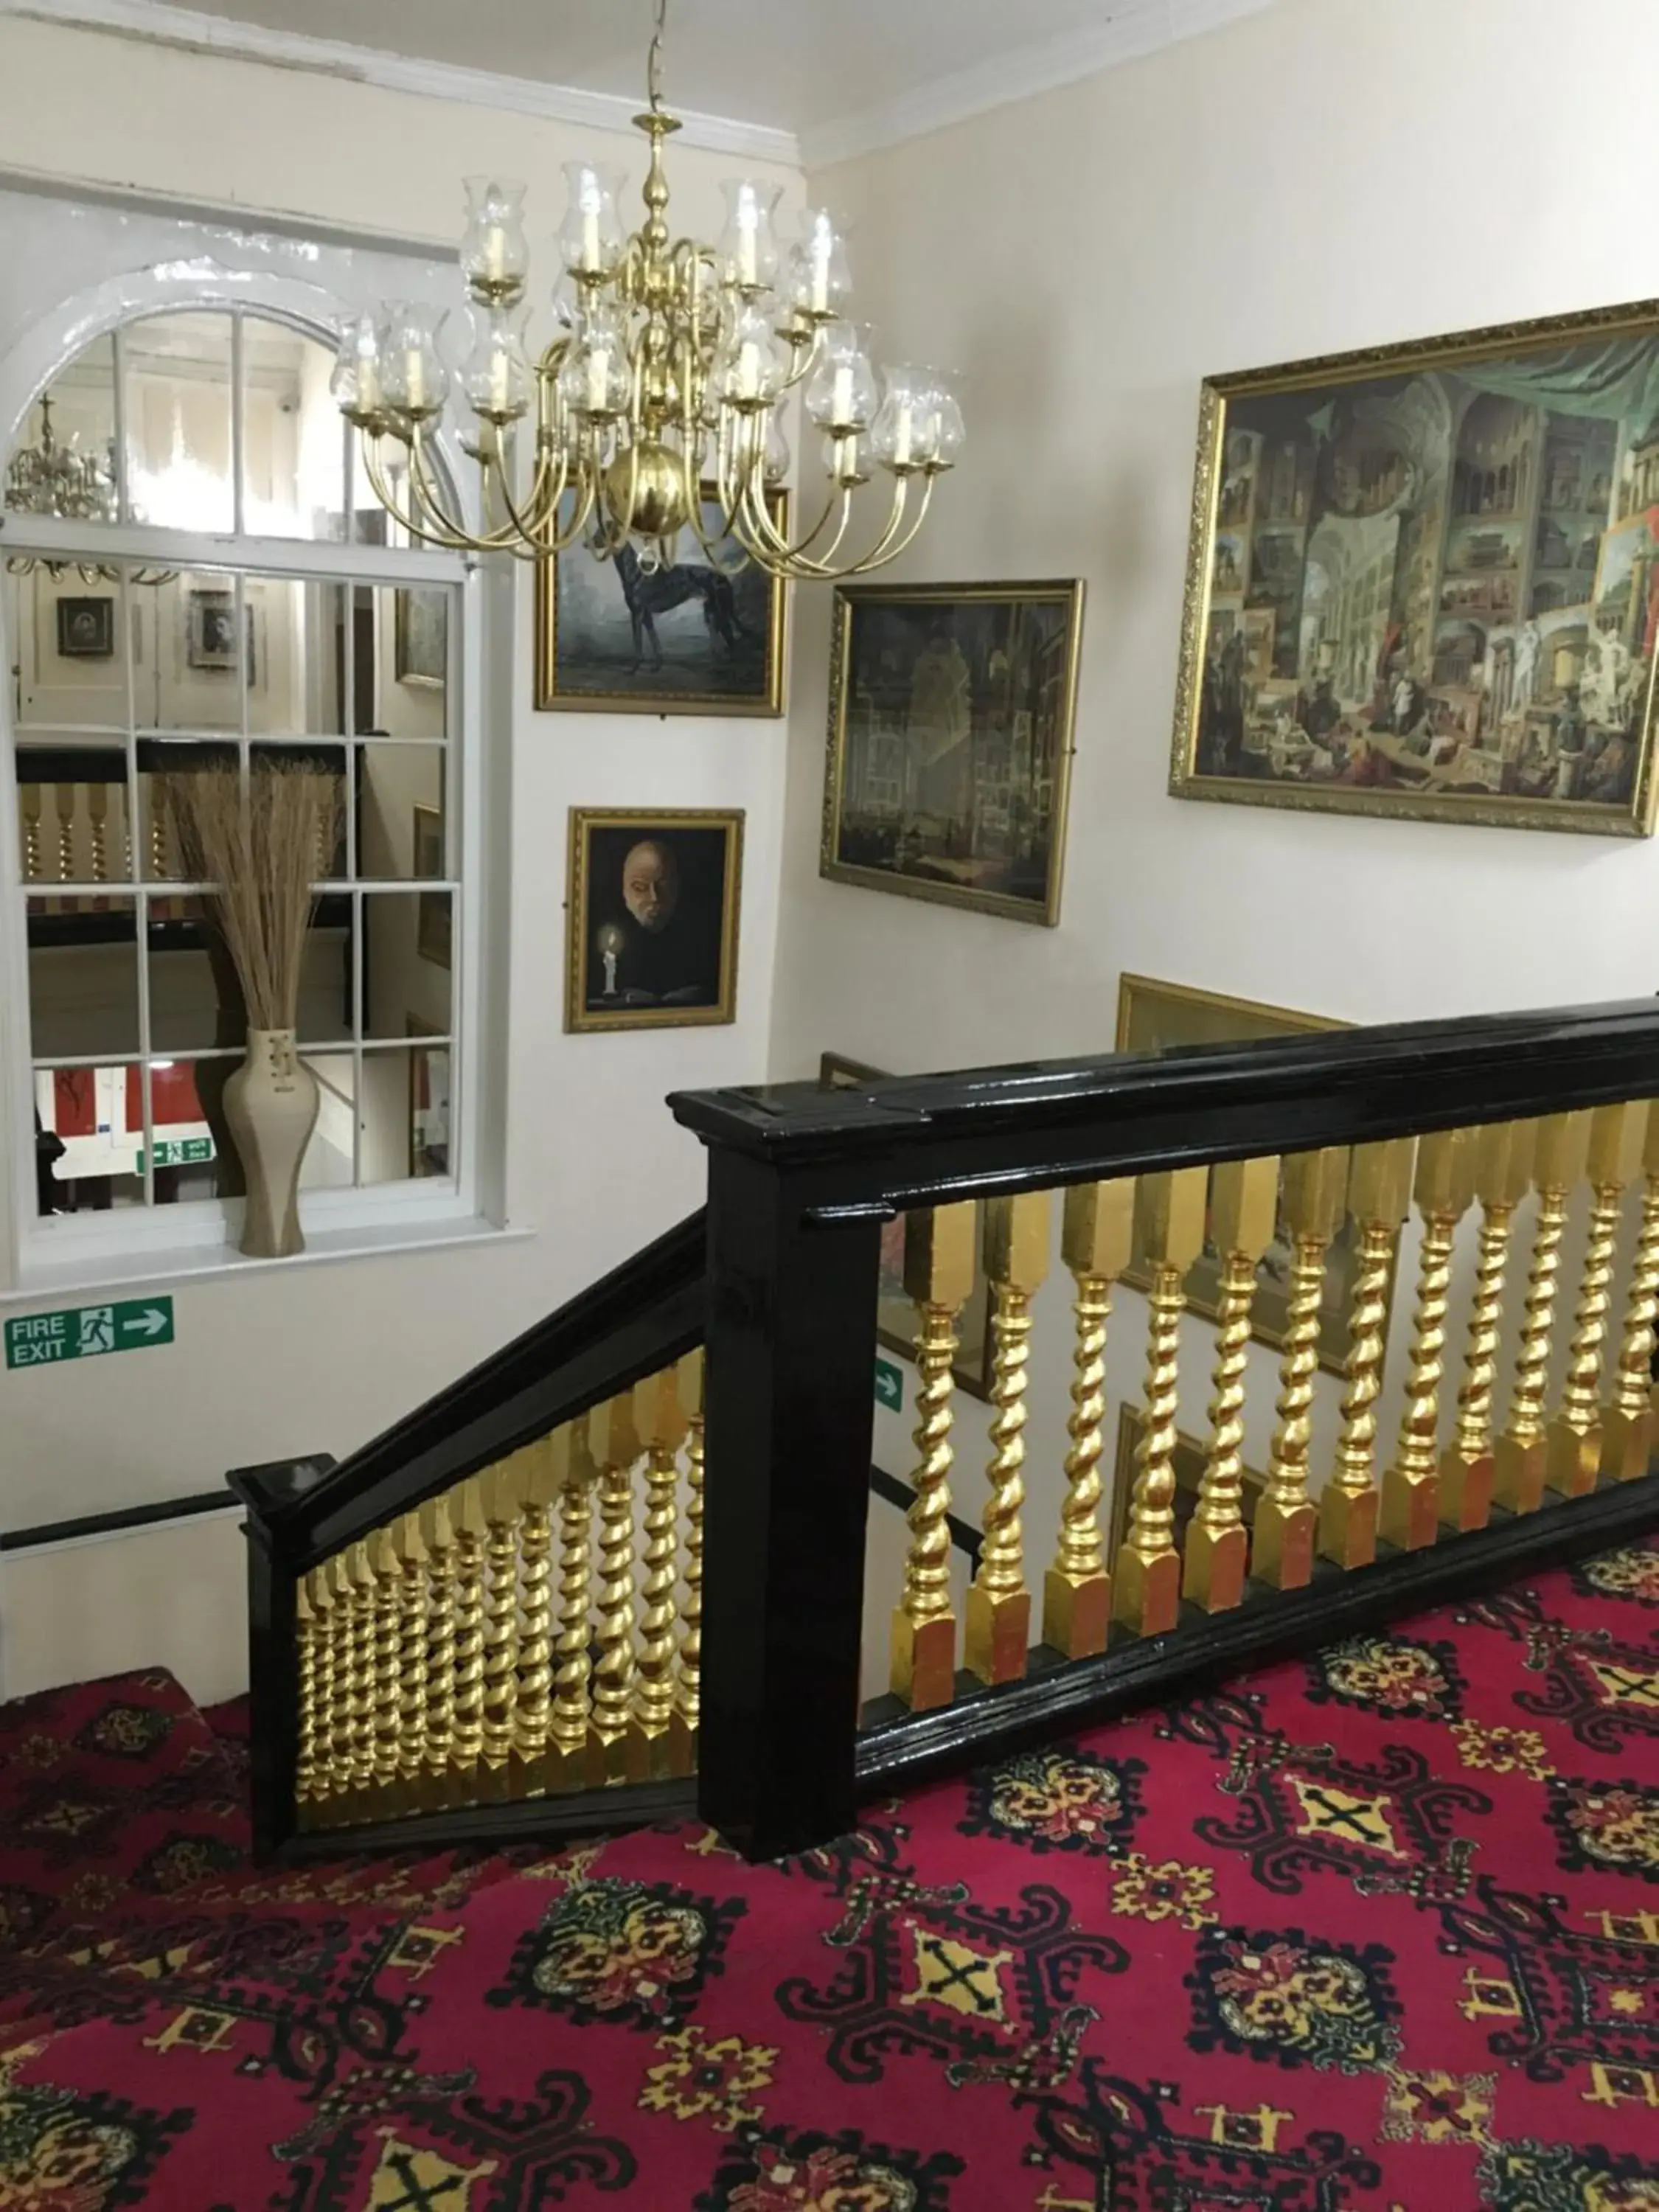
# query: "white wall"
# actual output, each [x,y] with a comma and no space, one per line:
[1328,175]
[321,1357]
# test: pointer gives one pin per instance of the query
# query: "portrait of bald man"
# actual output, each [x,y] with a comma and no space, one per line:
[658,929]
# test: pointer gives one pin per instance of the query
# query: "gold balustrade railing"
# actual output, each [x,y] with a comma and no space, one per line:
[1579,1409]
[534,1632]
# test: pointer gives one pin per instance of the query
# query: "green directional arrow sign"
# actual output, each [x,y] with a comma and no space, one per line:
[87,1332]
[890,1386]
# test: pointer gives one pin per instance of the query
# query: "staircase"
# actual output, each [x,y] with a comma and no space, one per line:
[1365,1930]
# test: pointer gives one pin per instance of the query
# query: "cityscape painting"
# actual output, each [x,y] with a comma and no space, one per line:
[1425,581]
[950,716]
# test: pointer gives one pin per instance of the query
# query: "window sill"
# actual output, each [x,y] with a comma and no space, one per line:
[76,1274]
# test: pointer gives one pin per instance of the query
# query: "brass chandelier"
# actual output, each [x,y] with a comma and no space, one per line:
[657,407]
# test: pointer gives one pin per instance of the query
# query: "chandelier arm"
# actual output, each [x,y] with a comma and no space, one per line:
[778,546]
[784,558]
[803,345]
[885,553]
[446,535]
[535,528]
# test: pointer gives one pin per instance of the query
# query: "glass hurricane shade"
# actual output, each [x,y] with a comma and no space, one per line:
[747,257]
[920,425]
[749,370]
[842,393]
[495,252]
[591,238]
[414,377]
[820,279]
[496,376]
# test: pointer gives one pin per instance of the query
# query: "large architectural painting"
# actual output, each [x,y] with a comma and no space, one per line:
[1426,580]
[951,713]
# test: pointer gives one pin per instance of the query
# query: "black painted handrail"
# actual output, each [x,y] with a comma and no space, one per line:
[912,1141]
[638,1320]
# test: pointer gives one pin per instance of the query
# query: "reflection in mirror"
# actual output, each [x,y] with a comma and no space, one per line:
[196,1001]
[83,978]
[400,814]
[322,759]
[407,947]
[297,657]
[177,384]
[292,447]
[68,650]
[87,1158]
[63,462]
[72,824]
[328,1164]
[405,1117]
[159,855]
[186,673]
[191,1148]
[409,640]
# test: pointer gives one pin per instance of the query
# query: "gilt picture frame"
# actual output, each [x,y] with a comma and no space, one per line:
[706,636]
[896,1312]
[1423,580]
[1154,1016]
[952,712]
[420,637]
[652,917]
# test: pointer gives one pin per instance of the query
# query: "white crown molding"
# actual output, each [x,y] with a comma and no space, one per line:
[162,24]
[1135,28]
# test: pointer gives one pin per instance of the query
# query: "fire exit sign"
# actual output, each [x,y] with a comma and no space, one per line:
[87,1332]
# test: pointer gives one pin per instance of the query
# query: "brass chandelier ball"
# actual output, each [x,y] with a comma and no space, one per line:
[647,489]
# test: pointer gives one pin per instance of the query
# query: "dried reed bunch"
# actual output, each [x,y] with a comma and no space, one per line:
[259,849]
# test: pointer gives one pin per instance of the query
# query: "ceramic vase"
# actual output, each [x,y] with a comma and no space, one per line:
[271,1103]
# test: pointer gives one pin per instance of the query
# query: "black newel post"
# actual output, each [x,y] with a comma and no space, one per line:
[273,1582]
[792,1324]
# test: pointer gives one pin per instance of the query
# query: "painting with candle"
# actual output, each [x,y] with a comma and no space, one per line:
[1424,580]
[952,709]
[701,633]
[651,918]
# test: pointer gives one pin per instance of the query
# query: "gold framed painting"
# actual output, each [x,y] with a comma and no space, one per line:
[1152,1017]
[434,910]
[896,1312]
[951,713]
[419,636]
[652,917]
[1424,579]
[1189,1455]
[703,635]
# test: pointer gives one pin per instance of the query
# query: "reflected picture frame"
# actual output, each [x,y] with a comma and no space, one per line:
[419,636]
[435,918]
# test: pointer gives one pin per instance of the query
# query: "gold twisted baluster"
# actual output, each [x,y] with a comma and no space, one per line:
[1244,1207]
[1561,1151]
[64,797]
[1574,1463]
[1411,1489]
[28,800]
[998,1618]
[687,1681]
[467,1519]
[438,1533]
[543,1470]
[1379,1199]
[388,1661]
[574,1465]
[158,867]
[410,1546]
[1096,1241]
[308,1631]
[1315,1202]
[97,815]
[940,1259]
[661,1421]
[360,1579]
[500,1497]
[616,1447]
[333,1596]
[1627,1422]
[1502,1177]
[1170,1231]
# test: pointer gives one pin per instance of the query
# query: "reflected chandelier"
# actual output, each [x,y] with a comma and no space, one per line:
[54,477]
[658,404]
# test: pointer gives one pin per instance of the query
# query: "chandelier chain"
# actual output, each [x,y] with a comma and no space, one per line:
[654,74]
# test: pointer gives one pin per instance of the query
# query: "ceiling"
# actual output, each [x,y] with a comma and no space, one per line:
[833,74]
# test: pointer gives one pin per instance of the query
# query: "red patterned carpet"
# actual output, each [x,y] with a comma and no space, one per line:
[1377,1931]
